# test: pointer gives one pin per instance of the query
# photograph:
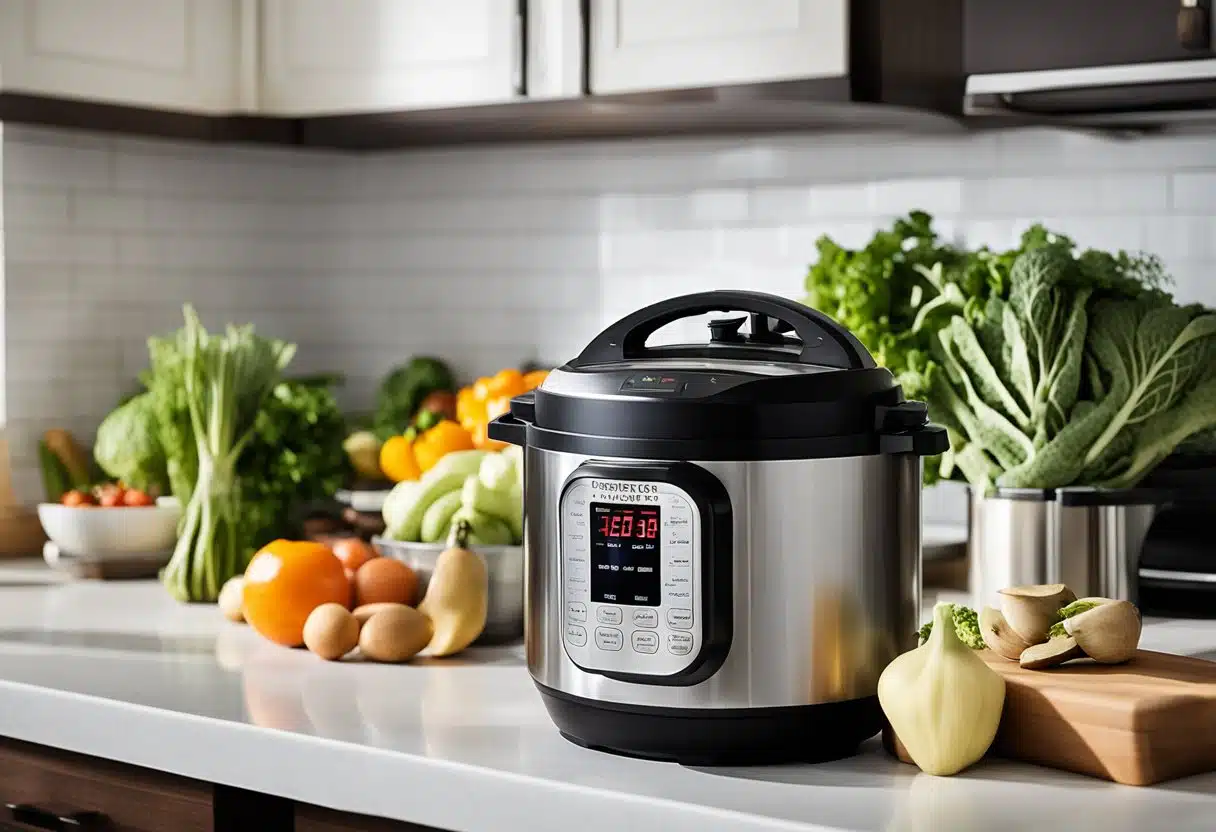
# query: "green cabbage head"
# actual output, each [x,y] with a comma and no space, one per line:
[128,445]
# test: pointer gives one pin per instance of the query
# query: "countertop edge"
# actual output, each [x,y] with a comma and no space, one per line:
[458,794]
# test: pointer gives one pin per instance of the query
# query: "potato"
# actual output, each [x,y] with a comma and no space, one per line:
[394,634]
[232,599]
[331,631]
[366,611]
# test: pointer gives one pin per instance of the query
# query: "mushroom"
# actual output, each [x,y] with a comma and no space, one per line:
[1050,653]
[1031,610]
[1109,633]
[999,636]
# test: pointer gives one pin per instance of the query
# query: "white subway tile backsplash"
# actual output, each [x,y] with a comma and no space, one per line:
[649,249]
[28,208]
[1042,194]
[109,211]
[1195,192]
[59,248]
[936,196]
[28,163]
[1181,236]
[493,255]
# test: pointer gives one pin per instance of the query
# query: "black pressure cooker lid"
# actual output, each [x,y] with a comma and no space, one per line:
[795,384]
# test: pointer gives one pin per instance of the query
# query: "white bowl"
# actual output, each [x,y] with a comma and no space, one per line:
[96,533]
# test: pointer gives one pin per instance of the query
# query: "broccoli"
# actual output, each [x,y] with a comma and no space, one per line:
[966,625]
[404,389]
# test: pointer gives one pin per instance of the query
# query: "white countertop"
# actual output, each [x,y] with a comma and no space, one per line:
[123,672]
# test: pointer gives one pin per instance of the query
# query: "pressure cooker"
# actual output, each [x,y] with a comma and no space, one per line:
[722,539]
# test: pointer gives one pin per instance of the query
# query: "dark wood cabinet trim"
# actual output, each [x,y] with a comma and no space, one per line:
[139,121]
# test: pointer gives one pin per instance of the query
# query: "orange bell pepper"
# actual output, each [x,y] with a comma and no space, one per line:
[442,439]
[488,397]
[534,379]
[508,382]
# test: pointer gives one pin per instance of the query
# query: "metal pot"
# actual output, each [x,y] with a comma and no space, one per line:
[722,540]
[1087,538]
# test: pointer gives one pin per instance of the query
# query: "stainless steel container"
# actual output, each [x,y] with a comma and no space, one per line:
[1009,541]
[505,572]
[1096,539]
[1088,539]
[722,540]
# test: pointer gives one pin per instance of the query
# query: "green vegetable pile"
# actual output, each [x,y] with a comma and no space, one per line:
[292,451]
[403,390]
[128,445]
[481,488]
[1050,365]
[966,626]
[1072,381]
[294,457]
[227,379]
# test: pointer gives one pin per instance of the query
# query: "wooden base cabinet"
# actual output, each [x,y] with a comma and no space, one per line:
[47,789]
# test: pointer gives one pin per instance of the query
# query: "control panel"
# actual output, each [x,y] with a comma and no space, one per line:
[631,576]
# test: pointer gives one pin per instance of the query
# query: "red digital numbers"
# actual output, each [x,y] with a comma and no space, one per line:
[623,523]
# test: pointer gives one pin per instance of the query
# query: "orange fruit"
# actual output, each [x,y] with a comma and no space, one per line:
[385,579]
[286,581]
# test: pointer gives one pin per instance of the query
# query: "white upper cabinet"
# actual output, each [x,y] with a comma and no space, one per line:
[184,55]
[328,56]
[641,45]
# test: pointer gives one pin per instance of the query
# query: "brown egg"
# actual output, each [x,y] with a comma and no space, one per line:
[331,631]
[385,580]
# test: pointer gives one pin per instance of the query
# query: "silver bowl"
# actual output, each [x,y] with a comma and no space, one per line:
[505,566]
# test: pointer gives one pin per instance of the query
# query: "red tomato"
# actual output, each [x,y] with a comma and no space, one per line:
[78,499]
[111,496]
[135,497]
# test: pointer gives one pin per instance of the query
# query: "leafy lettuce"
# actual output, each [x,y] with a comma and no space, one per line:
[1093,381]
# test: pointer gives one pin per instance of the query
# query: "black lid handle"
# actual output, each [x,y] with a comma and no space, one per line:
[824,342]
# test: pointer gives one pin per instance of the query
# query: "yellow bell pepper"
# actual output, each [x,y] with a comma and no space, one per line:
[442,439]
[397,460]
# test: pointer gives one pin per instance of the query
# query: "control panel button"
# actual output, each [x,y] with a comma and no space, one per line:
[644,642]
[645,618]
[576,612]
[607,638]
[680,644]
[575,635]
[608,615]
[680,619]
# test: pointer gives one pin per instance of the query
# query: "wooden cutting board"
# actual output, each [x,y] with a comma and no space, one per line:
[1139,723]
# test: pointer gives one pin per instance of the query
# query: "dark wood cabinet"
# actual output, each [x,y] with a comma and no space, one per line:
[130,799]
[318,819]
[47,789]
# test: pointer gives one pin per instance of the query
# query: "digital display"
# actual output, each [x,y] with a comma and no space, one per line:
[625,554]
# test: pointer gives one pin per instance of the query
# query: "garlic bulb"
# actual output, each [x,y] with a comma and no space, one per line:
[943,702]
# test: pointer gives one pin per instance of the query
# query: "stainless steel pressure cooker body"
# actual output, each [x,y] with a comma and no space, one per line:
[722,540]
